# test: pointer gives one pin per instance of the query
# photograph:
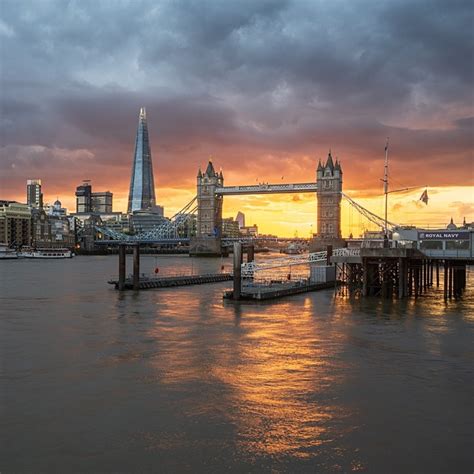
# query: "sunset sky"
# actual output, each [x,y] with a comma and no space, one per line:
[265,88]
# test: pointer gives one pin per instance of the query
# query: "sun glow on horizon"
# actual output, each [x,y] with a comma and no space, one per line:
[287,215]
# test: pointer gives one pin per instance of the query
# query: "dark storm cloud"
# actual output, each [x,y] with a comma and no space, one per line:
[244,80]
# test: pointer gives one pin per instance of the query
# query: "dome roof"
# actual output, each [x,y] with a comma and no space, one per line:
[57,204]
[451,225]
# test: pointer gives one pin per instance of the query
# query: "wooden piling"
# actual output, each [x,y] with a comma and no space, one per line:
[136,267]
[445,278]
[410,279]
[417,281]
[450,280]
[365,277]
[237,270]
[328,254]
[437,273]
[122,267]
[250,253]
[401,278]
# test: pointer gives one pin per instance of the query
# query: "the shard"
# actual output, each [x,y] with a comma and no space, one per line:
[142,185]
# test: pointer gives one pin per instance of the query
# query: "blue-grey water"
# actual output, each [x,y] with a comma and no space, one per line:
[176,380]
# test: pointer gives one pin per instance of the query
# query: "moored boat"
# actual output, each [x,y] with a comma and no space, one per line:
[7,252]
[48,253]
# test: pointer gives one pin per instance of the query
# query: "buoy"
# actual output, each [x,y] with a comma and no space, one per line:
[157,270]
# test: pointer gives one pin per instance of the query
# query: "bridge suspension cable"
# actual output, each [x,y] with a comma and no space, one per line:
[374,218]
[166,230]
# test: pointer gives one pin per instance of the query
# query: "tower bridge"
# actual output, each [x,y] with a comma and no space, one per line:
[206,206]
[211,191]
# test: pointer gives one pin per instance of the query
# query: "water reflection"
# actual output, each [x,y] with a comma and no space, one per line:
[178,379]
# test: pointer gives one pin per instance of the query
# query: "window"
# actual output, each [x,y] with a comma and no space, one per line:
[431,244]
[457,245]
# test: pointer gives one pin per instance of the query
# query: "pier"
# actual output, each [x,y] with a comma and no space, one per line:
[146,283]
[400,272]
[276,290]
[248,283]
[139,281]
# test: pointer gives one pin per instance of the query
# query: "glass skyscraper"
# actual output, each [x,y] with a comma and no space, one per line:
[142,185]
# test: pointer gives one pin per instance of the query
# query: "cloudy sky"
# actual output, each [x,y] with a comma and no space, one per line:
[265,88]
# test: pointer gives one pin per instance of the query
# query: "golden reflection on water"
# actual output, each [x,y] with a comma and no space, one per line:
[280,368]
[280,371]
[278,378]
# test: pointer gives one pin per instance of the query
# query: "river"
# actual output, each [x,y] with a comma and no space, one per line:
[176,380]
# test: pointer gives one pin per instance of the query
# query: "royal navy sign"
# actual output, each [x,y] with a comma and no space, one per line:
[443,235]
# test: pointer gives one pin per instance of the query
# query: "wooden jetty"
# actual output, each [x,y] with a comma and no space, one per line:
[261,293]
[250,291]
[400,272]
[139,282]
[171,281]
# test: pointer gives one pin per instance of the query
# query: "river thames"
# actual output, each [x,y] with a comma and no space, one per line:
[176,380]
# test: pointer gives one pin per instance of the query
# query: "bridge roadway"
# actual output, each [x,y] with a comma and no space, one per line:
[185,240]
[265,188]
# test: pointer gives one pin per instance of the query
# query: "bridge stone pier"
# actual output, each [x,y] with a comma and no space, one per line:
[211,191]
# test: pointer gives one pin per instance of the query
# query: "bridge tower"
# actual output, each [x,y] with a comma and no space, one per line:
[209,213]
[329,181]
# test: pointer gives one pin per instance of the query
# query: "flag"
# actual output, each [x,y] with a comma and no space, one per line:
[424,196]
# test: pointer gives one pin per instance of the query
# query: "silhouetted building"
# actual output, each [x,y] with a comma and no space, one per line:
[84,198]
[56,209]
[51,231]
[102,202]
[230,228]
[189,226]
[451,225]
[249,231]
[144,221]
[34,196]
[142,185]
[240,218]
[86,201]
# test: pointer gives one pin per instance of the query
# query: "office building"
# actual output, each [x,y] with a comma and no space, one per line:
[15,224]
[142,185]
[34,196]
[230,228]
[101,202]
[249,231]
[84,198]
[240,218]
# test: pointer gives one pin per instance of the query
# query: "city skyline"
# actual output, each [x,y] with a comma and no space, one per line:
[215,89]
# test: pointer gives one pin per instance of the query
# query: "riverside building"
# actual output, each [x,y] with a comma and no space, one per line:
[15,224]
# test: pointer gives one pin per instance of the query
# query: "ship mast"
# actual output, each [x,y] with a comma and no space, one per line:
[385,189]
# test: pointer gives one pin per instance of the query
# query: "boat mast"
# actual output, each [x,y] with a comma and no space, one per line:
[385,188]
